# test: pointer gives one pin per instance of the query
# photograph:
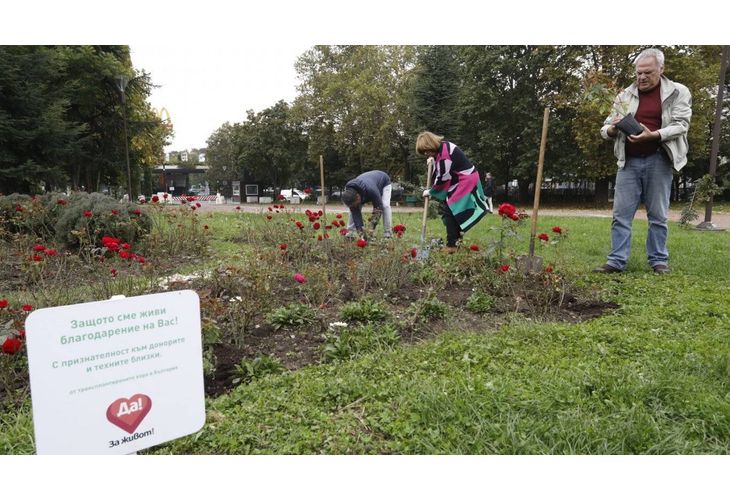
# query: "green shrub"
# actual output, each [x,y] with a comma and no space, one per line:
[350,343]
[89,217]
[249,370]
[294,315]
[364,311]
[480,302]
[428,309]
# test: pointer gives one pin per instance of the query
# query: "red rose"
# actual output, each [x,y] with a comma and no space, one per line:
[280,197]
[474,247]
[61,201]
[3,303]
[115,211]
[205,227]
[343,231]
[543,236]
[316,225]
[18,208]
[319,237]
[137,211]
[504,268]
[38,248]
[549,269]
[299,224]
[557,229]
[300,278]
[114,272]
[88,213]
[155,199]
[414,252]
[164,196]
[308,190]
[26,307]
[238,207]
[506,210]
[37,258]
[362,243]
[198,205]
[514,217]
[11,345]
[339,216]
[50,252]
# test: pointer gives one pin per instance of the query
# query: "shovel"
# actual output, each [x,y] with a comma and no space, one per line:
[422,252]
[529,263]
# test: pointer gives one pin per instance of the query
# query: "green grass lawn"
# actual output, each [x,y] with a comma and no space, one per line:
[650,377]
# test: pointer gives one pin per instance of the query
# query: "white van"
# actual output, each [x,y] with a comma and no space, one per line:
[287,193]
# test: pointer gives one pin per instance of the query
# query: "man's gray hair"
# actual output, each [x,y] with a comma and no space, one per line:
[655,53]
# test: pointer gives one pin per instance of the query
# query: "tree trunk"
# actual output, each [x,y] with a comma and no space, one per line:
[601,195]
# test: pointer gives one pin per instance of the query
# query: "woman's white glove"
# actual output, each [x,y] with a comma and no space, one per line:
[426,193]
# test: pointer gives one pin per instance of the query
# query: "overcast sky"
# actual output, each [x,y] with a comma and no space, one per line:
[203,86]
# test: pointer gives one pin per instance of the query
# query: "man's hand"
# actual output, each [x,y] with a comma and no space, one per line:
[644,136]
[426,193]
[612,130]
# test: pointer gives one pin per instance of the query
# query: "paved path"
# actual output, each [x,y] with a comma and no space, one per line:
[721,220]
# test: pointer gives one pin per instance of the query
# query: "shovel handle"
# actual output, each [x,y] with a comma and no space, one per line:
[538,180]
[425,201]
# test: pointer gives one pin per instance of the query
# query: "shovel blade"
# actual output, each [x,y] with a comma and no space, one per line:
[529,265]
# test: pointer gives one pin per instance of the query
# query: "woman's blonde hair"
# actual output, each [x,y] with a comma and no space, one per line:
[428,142]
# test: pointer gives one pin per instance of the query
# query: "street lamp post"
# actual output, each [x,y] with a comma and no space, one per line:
[122,82]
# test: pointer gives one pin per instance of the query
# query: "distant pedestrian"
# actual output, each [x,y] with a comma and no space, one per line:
[663,108]
[369,187]
[489,191]
[456,184]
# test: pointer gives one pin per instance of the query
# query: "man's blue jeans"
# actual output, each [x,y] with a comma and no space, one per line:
[642,179]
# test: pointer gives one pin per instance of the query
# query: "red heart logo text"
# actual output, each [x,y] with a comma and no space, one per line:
[128,413]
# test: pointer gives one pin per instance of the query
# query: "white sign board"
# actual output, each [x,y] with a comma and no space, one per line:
[116,376]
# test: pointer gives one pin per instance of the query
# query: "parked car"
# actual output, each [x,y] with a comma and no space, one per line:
[288,193]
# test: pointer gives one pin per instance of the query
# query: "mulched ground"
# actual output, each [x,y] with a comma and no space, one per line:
[300,347]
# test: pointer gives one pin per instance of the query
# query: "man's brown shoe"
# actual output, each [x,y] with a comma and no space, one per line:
[661,269]
[605,268]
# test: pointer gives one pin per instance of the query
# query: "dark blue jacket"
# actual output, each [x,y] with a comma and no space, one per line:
[369,185]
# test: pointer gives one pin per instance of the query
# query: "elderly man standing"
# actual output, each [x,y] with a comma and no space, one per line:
[663,109]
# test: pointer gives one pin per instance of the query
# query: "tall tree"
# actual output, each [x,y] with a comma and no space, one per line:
[37,138]
[353,98]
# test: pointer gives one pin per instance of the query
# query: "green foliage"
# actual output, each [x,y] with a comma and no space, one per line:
[294,315]
[353,342]
[428,309]
[75,227]
[480,302]
[249,370]
[367,310]
[705,189]
[61,118]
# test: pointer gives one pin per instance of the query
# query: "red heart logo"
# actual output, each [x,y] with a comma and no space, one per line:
[128,413]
